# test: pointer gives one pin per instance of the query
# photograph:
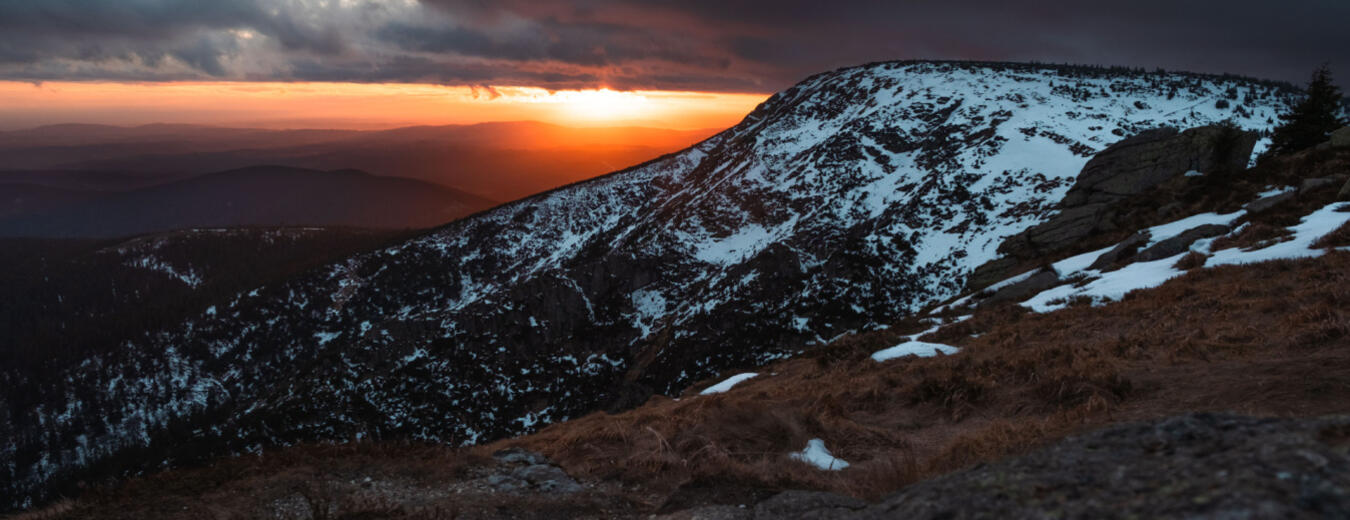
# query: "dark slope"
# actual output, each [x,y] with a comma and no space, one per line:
[264,195]
[17,199]
[855,196]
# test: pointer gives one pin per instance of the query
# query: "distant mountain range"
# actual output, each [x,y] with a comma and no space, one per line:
[255,196]
[499,161]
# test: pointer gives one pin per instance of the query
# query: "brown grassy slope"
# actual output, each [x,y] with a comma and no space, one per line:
[1267,339]
[1270,339]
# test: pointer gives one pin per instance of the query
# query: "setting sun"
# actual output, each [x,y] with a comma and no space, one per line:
[359,105]
[604,104]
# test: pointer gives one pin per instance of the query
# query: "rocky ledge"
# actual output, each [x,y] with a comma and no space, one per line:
[1191,466]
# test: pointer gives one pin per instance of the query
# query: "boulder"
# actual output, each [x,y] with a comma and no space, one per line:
[814,505]
[1317,183]
[519,456]
[709,513]
[1338,139]
[1123,250]
[1266,203]
[991,272]
[1150,158]
[1180,243]
[1042,280]
[1128,168]
[1190,466]
[547,478]
[521,470]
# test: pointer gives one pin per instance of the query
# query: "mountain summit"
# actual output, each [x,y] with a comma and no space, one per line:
[858,194]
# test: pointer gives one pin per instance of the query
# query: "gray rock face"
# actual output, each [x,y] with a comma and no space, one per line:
[815,505]
[1127,168]
[1145,160]
[525,471]
[710,513]
[1123,250]
[1180,243]
[1190,466]
[1318,183]
[1042,280]
[1266,203]
[1339,139]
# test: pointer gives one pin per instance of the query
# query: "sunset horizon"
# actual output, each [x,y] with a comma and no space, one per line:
[674,259]
[358,106]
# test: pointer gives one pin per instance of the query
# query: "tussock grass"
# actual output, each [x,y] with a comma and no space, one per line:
[1265,339]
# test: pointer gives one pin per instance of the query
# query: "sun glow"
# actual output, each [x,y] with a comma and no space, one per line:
[604,104]
[359,105]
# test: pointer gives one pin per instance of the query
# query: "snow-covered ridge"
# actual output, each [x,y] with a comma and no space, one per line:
[855,196]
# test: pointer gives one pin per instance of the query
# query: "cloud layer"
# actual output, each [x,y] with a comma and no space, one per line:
[745,45]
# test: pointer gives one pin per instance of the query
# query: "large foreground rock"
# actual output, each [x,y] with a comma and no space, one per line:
[1128,168]
[1191,466]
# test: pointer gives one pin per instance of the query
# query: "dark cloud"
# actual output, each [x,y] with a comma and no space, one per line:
[742,45]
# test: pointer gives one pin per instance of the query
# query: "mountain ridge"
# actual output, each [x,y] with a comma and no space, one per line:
[854,195]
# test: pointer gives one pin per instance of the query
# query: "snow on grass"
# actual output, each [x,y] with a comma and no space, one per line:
[1079,263]
[1271,192]
[1110,286]
[727,384]
[1114,285]
[1171,229]
[1314,226]
[817,455]
[913,348]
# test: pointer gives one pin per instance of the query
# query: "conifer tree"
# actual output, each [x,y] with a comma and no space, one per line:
[1312,120]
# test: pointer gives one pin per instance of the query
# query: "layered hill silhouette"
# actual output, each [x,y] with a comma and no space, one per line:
[499,161]
[255,196]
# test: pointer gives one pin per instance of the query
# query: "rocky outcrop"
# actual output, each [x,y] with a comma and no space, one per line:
[797,504]
[1126,169]
[1191,466]
[1180,243]
[1338,139]
[1317,183]
[525,471]
[1125,249]
[1265,203]
[1042,280]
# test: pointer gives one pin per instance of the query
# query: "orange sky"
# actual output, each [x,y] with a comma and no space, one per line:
[357,105]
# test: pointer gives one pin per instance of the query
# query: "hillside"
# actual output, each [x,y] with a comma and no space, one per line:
[855,197]
[255,196]
[1098,407]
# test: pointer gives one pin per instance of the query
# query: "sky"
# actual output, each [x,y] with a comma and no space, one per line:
[675,63]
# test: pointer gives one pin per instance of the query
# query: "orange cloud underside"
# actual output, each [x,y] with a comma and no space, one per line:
[353,105]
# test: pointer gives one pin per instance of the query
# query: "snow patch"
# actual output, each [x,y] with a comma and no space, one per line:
[913,348]
[727,384]
[817,455]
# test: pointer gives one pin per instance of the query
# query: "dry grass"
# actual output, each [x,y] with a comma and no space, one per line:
[1338,238]
[1192,260]
[1267,339]
[315,481]
[1256,235]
